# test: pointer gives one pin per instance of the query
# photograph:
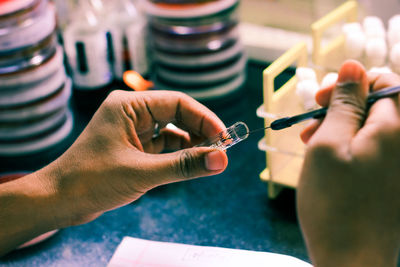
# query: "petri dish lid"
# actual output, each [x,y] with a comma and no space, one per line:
[14,131]
[229,14]
[209,93]
[185,11]
[11,7]
[39,109]
[195,44]
[197,61]
[22,17]
[36,145]
[40,28]
[203,77]
[28,57]
[33,75]
[31,93]
[183,30]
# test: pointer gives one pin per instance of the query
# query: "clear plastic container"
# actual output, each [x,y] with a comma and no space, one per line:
[229,137]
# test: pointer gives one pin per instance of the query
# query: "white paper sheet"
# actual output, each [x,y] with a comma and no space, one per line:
[143,253]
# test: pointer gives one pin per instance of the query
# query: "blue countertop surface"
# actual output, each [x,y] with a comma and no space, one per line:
[228,210]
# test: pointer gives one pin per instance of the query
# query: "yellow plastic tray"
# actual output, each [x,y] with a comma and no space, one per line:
[284,149]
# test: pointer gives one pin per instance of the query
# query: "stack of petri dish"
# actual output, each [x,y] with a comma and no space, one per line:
[195,47]
[34,89]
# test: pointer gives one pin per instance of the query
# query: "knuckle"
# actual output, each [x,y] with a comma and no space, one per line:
[115,97]
[321,148]
[350,93]
[326,150]
[187,163]
[115,94]
[387,80]
[112,98]
[184,97]
[392,129]
[114,108]
[349,104]
[176,94]
[388,135]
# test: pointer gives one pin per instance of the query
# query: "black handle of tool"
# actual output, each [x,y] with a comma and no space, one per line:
[289,121]
[320,113]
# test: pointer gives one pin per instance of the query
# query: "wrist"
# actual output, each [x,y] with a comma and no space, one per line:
[63,194]
[50,179]
[70,194]
[25,211]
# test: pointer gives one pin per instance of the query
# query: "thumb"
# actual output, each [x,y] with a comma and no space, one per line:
[347,109]
[184,164]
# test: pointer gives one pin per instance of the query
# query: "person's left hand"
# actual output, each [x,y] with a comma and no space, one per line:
[116,159]
[113,162]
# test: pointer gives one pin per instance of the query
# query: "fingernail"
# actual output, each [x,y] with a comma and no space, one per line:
[351,72]
[215,161]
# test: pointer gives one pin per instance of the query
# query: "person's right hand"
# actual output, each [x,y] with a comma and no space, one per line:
[348,195]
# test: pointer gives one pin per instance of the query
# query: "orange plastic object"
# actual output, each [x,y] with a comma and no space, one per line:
[135,81]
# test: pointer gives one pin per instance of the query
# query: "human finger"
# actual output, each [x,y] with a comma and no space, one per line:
[168,139]
[166,106]
[181,165]
[346,111]
[309,130]
[323,96]
[383,109]
[379,81]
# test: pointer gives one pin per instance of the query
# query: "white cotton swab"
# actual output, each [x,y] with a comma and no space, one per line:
[394,21]
[352,27]
[372,21]
[381,70]
[374,27]
[304,73]
[329,79]
[394,30]
[395,58]
[376,52]
[355,44]
[394,35]
[306,90]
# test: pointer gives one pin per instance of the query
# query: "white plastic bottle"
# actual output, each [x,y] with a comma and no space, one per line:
[137,36]
[128,28]
[87,45]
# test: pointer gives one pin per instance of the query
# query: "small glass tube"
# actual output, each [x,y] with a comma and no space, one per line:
[228,138]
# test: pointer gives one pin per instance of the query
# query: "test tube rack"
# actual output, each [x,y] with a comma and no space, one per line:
[284,149]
